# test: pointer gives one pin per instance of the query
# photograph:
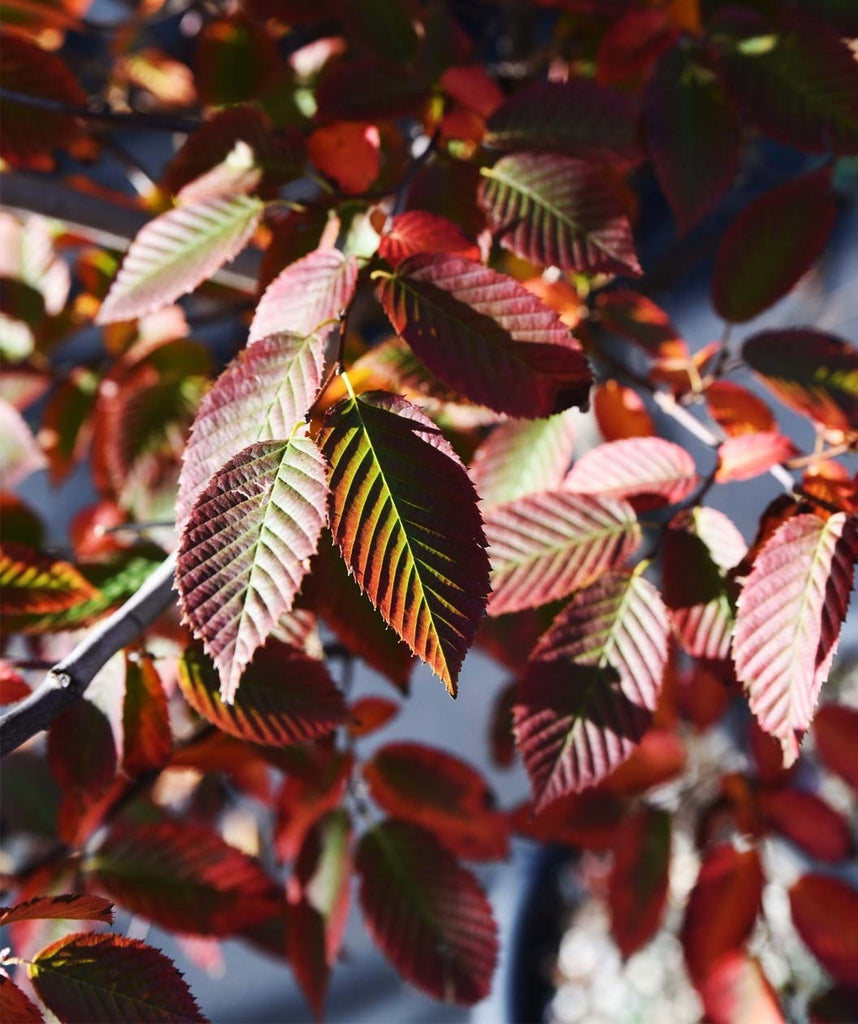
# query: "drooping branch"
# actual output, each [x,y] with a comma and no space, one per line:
[68,679]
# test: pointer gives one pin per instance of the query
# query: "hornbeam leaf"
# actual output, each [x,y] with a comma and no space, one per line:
[788,621]
[637,888]
[71,907]
[418,231]
[175,252]
[484,335]
[558,211]
[591,686]
[404,515]
[306,294]
[15,1006]
[106,978]
[825,915]
[426,913]
[245,549]
[260,396]
[545,546]
[285,696]
[834,730]
[36,584]
[650,469]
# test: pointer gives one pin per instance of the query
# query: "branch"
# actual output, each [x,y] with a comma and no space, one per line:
[127,119]
[68,679]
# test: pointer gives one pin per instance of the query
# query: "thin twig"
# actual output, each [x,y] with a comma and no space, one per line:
[128,119]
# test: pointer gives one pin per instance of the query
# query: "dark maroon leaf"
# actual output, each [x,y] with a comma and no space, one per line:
[637,889]
[825,914]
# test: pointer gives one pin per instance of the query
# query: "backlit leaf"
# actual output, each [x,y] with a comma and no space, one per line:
[441,793]
[177,251]
[631,315]
[835,730]
[262,395]
[825,915]
[245,549]
[650,469]
[182,876]
[417,231]
[735,991]
[545,546]
[591,687]
[15,1006]
[304,799]
[522,457]
[772,243]
[67,908]
[810,371]
[486,336]
[100,979]
[558,211]
[305,295]
[347,152]
[426,913]
[404,515]
[737,410]
[580,118]
[146,738]
[637,888]
[620,412]
[790,611]
[749,455]
[285,696]
[38,584]
[368,714]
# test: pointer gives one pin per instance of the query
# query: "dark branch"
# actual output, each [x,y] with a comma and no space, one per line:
[127,119]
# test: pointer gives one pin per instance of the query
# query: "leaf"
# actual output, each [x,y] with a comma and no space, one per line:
[808,821]
[368,89]
[20,454]
[692,133]
[825,915]
[71,907]
[367,714]
[100,979]
[637,887]
[304,799]
[486,336]
[522,457]
[183,877]
[404,515]
[632,43]
[418,231]
[737,992]
[426,913]
[556,210]
[771,245]
[285,696]
[579,118]
[738,411]
[347,152]
[620,412]
[441,793]
[799,81]
[448,188]
[262,395]
[587,820]
[659,757]
[307,293]
[749,455]
[33,584]
[176,251]
[835,730]
[245,548]
[147,741]
[548,545]
[788,622]
[15,1006]
[591,687]
[721,909]
[652,470]
[812,372]
[631,315]
[12,685]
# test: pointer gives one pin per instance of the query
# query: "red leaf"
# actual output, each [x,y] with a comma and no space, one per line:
[812,372]
[556,210]
[632,315]
[748,455]
[305,295]
[620,412]
[593,681]
[738,411]
[417,231]
[15,1007]
[631,45]
[348,152]
[100,979]
[579,117]
[456,315]
[587,820]
[637,888]
[69,907]
[658,758]
[808,821]
[788,621]
[654,471]
[146,737]
[825,914]
[472,88]
[448,188]
[737,992]
[835,730]
[182,876]
[721,909]
[303,800]
[548,545]
[12,685]
[441,793]
[285,696]
[426,913]
[692,133]
[367,714]
[771,245]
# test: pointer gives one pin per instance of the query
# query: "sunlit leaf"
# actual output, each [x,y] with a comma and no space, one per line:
[591,687]
[749,455]
[178,250]
[485,336]
[632,315]
[404,515]
[650,469]
[426,913]
[348,152]
[825,915]
[417,231]
[146,737]
[545,546]
[790,611]
[637,888]
[737,410]
[70,907]
[38,584]
[368,714]
[620,412]
[558,211]
[107,978]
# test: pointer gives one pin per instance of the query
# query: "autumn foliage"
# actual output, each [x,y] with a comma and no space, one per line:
[419,232]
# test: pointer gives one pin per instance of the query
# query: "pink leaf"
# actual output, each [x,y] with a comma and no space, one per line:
[749,455]
[655,471]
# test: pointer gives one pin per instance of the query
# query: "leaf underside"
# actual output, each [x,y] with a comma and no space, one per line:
[651,469]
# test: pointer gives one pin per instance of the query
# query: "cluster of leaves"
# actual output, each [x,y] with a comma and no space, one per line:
[446,279]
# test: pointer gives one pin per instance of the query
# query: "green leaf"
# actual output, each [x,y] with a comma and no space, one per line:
[404,515]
